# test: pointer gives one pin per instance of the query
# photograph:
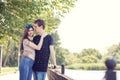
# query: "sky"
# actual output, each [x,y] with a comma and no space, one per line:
[91,24]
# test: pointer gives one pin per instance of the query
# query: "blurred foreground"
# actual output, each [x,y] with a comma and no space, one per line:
[75,74]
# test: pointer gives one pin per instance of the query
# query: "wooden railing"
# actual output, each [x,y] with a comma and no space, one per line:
[53,75]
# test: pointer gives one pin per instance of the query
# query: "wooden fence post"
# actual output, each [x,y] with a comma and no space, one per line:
[110,73]
[62,69]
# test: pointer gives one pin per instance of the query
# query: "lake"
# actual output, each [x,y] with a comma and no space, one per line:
[87,74]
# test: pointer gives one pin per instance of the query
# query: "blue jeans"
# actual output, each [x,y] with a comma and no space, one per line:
[39,75]
[25,68]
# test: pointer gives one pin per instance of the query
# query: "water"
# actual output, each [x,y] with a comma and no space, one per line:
[87,74]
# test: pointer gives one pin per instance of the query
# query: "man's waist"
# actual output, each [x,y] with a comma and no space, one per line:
[41,62]
[40,68]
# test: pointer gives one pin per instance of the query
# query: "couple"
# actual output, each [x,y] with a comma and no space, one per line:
[36,52]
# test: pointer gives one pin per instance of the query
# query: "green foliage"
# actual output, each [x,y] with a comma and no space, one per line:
[90,55]
[114,51]
[14,14]
[90,66]
[13,58]
[89,59]
[71,58]
[117,67]
[10,53]
[60,55]
[86,66]
[56,39]
[91,51]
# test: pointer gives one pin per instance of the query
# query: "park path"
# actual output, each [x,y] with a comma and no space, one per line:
[74,74]
[11,76]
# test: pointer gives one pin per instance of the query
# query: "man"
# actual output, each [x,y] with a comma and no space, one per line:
[42,56]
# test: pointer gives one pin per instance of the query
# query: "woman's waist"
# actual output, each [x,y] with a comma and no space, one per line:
[27,58]
[30,51]
[29,54]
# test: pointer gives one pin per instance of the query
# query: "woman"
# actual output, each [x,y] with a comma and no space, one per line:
[27,61]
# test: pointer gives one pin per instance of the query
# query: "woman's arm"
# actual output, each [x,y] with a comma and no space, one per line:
[34,46]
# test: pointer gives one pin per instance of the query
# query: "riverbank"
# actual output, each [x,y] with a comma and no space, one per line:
[89,66]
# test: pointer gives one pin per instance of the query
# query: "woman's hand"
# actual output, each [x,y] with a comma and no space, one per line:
[43,35]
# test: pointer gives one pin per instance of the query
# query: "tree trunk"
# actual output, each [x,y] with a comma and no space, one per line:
[6,55]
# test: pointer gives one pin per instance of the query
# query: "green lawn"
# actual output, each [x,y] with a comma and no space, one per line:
[90,66]
[6,70]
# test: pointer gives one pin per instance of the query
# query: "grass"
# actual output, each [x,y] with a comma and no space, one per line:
[89,66]
[6,70]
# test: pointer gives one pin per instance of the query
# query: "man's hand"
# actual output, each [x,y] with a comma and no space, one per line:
[57,70]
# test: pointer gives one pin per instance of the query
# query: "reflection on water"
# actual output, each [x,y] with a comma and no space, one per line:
[87,74]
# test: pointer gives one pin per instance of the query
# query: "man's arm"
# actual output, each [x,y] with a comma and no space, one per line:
[52,55]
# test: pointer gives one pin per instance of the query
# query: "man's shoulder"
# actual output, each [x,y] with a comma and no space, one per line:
[49,35]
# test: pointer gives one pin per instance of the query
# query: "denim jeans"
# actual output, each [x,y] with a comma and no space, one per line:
[25,68]
[39,75]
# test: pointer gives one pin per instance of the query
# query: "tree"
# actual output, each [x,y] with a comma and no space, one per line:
[10,54]
[114,51]
[90,55]
[14,14]
[60,52]
[89,59]
[56,39]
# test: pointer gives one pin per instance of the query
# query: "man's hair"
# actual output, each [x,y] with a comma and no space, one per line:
[40,22]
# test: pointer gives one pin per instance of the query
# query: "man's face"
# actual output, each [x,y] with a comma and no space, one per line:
[37,28]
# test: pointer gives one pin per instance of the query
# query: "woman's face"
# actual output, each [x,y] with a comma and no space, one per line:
[30,32]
